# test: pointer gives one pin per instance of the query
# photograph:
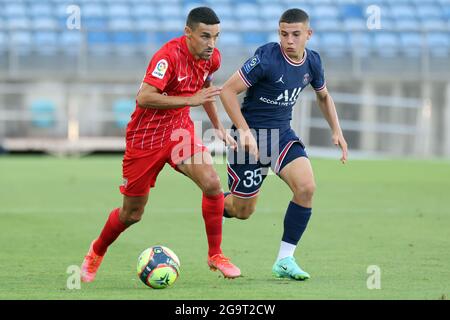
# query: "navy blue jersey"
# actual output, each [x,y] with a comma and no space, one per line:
[274,83]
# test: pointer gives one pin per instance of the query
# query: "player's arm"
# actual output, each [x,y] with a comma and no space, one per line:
[211,110]
[229,97]
[151,97]
[328,109]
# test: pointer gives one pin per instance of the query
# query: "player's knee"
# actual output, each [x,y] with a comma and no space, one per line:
[244,212]
[211,184]
[132,215]
[305,190]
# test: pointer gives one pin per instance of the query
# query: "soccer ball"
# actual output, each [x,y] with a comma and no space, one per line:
[158,267]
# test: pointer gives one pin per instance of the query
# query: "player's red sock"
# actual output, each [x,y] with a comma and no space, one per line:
[212,209]
[112,229]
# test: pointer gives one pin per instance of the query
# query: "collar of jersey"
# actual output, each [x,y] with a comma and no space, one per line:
[292,62]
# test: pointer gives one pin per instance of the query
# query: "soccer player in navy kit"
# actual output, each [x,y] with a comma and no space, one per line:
[274,77]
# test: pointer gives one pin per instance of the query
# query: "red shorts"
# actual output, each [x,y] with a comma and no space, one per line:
[140,168]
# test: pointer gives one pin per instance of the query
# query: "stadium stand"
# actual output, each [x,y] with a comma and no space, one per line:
[33,26]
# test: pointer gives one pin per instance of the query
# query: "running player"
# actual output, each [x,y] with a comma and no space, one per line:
[274,78]
[161,131]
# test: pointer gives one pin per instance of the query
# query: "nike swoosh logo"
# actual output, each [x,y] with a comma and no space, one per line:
[181,79]
[283,267]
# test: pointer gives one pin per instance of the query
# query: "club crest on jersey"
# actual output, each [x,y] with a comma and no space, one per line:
[306,78]
[251,63]
[160,69]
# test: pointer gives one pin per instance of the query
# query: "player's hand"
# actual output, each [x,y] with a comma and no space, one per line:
[248,142]
[338,140]
[226,138]
[204,95]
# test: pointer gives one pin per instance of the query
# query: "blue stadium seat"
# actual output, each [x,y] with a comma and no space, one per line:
[18,23]
[170,11]
[163,37]
[446,10]
[173,24]
[228,24]
[41,10]
[272,11]
[328,24]
[386,44]
[387,24]
[71,42]
[247,11]
[93,23]
[403,11]
[121,23]
[355,24]
[224,11]
[14,9]
[99,42]
[46,42]
[116,10]
[44,23]
[21,42]
[122,110]
[230,39]
[361,43]
[325,12]
[435,24]
[438,44]
[411,44]
[250,25]
[429,11]
[334,44]
[254,38]
[407,24]
[352,11]
[146,24]
[93,10]
[144,10]
[43,113]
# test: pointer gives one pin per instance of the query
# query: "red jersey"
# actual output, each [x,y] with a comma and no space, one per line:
[175,72]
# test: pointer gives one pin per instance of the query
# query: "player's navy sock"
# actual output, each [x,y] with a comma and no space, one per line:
[295,222]
[212,210]
[112,229]
[225,212]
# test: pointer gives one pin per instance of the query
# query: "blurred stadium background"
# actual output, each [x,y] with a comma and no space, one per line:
[71,91]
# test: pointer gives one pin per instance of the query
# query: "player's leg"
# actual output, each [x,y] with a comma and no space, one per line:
[297,172]
[245,178]
[199,169]
[139,172]
[240,208]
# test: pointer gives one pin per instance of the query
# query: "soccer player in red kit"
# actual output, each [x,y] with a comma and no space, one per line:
[161,131]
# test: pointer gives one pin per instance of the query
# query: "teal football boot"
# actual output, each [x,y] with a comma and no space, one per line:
[288,268]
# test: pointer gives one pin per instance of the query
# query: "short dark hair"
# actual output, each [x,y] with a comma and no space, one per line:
[294,16]
[201,15]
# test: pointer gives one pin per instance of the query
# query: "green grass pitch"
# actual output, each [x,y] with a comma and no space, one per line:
[390,213]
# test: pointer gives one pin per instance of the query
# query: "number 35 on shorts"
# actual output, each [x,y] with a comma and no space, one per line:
[244,181]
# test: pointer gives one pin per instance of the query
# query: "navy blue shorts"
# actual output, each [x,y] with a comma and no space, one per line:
[276,150]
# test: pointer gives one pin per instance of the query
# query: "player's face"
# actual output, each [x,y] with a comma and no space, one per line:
[293,38]
[202,40]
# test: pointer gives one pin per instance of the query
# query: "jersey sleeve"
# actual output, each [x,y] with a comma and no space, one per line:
[254,68]
[160,70]
[318,77]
